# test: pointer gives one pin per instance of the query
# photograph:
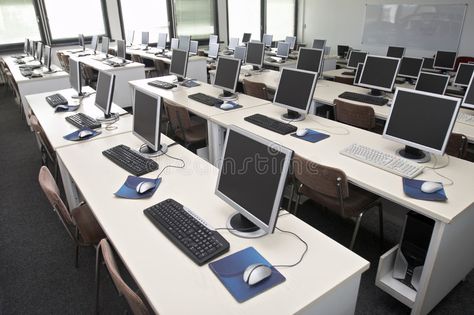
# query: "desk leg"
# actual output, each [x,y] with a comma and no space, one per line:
[215,134]
[72,195]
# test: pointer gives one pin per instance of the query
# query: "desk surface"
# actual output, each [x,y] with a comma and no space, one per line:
[99,65]
[171,282]
[19,78]
[55,126]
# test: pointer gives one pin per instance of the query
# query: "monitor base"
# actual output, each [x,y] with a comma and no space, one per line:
[149,152]
[242,227]
[227,96]
[82,95]
[293,116]
[375,92]
[414,154]
[109,119]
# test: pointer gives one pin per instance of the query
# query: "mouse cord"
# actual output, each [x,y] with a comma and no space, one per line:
[183,164]
[434,169]
[302,255]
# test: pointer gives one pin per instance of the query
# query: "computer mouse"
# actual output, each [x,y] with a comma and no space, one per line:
[226,106]
[145,186]
[301,132]
[255,273]
[61,108]
[247,74]
[85,133]
[431,187]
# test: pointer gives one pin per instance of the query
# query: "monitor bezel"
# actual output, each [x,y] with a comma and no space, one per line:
[233,40]
[236,79]
[434,74]
[267,36]
[160,40]
[269,227]
[47,52]
[110,92]
[244,50]
[403,54]
[444,68]
[155,146]
[261,58]
[320,59]
[217,51]
[174,42]
[471,86]
[417,145]
[311,95]
[287,50]
[410,76]
[323,40]
[39,51]
[379,87]
[466,64]
[350,55]
[185,64]
[360,68]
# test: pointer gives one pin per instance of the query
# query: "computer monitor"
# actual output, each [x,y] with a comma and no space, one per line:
[355,57]
[310,59]
[146,123]
[33,49]
[121,49]
[240,53]
[39,51]
[319,43]
[26,46]
[246,37]
[184,42]
[254,191]
[445,60]
[105,93]
[291,40]
[428,64]
[410,68]
[193,47]
[468,100]
[408,125]
[105,45]
[213,39]
[213,50]
[360,67]
[145,38]
[81,41]
[464,74]
[327,50]
[379,73]
[283,49]
[179,63]
[395,52]
[255,54]
[129,37]
[75,78]
[233,42]
[267,40]
[432,82]
[295,92]
[174,44]
[94,42]
[162,37]
[47,59]
[227,76]
[342,50]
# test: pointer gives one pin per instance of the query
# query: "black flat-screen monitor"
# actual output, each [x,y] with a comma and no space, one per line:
[184,42]
[246,37]
[464,74]
[468,100]
[283,49]
[355,57]
[445,60]
[255,53]
[310,59]
[395,52]
[267,40]
[432,82]
[121,49]
[342,50]
[162,37]
[179,63]
[408,125]
[410,67]
[360,67]
[105,92]
[145,38]
[227,75]
[254,192]
[75,78]
[319,43]
[379,73]
[428,64]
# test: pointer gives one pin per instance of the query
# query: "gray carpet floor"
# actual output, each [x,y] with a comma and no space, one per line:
[37,274]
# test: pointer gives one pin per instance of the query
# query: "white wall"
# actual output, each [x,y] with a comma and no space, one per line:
[342,22]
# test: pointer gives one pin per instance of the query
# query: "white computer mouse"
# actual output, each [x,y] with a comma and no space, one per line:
[226,106]
[431,187]
[301,132]
[255,273]
[145,186]
[85,133]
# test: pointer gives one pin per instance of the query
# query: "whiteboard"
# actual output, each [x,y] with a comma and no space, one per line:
[423,26]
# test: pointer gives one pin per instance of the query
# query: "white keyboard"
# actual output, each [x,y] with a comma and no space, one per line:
[388,162]
[466,118]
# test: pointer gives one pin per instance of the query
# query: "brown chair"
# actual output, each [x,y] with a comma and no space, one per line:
[345,80]
[191,131]
[89,75]
[80,223]
[134,301]
[65,62]
[360,116]
[61,60]
[160,67]
[329,187]
[462,59]
[255,89]
[457,145]
[149,71]
[47,152]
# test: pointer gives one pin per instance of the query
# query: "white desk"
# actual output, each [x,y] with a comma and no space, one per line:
[327,280]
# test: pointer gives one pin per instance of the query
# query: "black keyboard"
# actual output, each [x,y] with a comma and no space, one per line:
[26,72]
[131,161]
[188,233]
[455,92]
[56,99]
[162,84]
[364,98]
[81,120]
[205,99]
[352,73]
[271,124]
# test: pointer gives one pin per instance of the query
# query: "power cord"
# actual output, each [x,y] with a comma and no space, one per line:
[434,169]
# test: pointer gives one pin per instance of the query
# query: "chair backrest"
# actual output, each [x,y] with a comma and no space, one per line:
[178,117]
[136,58]
[34,123]
[345,80]
[87,73]
[65,59]
[134,301]
[255,89]
[160,67]
[463,59]
[457,145]
[323,179]
[60,58]
[355,115]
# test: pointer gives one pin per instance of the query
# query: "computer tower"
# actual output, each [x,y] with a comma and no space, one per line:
[414,244]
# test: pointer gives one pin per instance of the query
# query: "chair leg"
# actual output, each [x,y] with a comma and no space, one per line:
[97,279]
[382,240]
[297,203]
[77,249]
[356,230]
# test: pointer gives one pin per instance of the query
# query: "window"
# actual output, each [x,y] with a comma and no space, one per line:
[17,21]
[244,17]
[280,16]
[195,18]
[145,16]
[67,19]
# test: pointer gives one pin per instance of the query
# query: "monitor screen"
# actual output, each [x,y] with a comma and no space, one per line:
[295,89]
[179,63]
[105,92]
[146,119]
[162,37]
[410,67]
[379,72]
[310,59]
[469,96]
[193,47]
[174,43]
[246,37]
[254,191]
[445,60]
[291,40]
[432,82]
[47,57]
[33,48]
[267,40]
[360,67]
[239,52]
[464,74]
[227,73]
[428,64]
[82,42]
[105,45]
[255,52]
[233,42]
[283,50]
[319,43]
[25,46]
[213,50]
[94,43]
[342,50]
[395,52]
[145,38]
[39,51]
[213,39]
[184,42]
[355,57]
[409,108]
[75,77]
[121,48]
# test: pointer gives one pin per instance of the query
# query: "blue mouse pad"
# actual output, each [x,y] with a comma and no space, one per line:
[235,106]
[190,83]
[74,136]
[230,272]
[412,188]
[70,108]
[129,188]
[312,136]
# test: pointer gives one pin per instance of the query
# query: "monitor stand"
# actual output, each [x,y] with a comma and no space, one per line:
[228,96]
[82,95]
[256,68]
[375,92]
[414,154]
[242,227]
[149,152]
[109,118]
[291,115]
